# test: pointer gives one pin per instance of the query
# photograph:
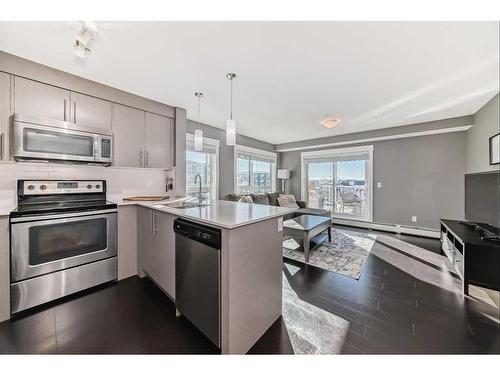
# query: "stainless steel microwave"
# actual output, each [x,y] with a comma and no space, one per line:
[42,139]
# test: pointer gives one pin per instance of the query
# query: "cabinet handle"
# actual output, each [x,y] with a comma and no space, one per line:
[154,230]
[1,146]
[64,109]
[141,164]
[147,158]
[74,112]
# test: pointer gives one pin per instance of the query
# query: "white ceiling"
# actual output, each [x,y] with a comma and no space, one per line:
[290,74]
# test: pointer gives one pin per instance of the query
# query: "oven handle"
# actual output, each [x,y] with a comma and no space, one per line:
[56,217]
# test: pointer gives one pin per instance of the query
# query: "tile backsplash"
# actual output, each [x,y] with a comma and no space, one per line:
[120,181]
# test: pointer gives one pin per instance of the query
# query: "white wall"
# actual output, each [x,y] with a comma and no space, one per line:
[486,124]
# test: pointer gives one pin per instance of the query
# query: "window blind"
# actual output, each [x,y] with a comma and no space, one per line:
[337,158]
[207,148]
[255,157]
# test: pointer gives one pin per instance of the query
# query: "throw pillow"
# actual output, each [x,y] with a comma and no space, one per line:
[246,199]
[285,201]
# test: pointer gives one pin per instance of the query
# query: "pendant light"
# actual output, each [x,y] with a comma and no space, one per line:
[198,134]
[230,123]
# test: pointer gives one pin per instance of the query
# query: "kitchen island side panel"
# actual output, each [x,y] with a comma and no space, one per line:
[252,264]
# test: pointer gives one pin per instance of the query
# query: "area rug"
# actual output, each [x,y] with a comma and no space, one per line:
[346,254]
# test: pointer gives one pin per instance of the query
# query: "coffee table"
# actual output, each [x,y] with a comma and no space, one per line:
[306,227]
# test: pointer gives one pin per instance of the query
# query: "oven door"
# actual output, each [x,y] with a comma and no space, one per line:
[41,245]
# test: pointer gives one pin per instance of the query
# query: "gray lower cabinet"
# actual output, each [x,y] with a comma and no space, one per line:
[156,247]
[40,100]
[128,130]
[89,111]
[159,141]
[4,115]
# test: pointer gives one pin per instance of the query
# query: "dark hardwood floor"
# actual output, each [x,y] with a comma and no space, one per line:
[387,311]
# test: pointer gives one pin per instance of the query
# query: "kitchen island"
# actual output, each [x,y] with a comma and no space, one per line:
[250,261]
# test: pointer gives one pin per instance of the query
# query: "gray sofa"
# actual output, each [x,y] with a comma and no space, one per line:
[272,199]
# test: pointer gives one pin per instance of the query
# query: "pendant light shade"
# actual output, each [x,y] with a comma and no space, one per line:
[198,134]
[198,140]
[230,123]
[230,132]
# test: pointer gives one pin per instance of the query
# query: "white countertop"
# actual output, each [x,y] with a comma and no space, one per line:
[219,213]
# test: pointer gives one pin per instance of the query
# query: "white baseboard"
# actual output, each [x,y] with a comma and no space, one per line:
[394,228]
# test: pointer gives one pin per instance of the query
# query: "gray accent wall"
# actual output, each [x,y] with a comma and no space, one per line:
[486,124]
[226,153]
[421,176]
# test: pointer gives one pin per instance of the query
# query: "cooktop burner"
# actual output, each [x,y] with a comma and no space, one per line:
[59,207]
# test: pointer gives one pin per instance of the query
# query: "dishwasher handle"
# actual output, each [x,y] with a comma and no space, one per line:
[208,236]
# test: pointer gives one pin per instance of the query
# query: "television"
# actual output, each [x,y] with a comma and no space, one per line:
[482,199]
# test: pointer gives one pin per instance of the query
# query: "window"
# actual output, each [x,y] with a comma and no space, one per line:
[204,163]
[339,180]
[255,170]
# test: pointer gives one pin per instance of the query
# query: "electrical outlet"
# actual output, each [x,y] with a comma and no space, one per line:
[414,219]
[379,184]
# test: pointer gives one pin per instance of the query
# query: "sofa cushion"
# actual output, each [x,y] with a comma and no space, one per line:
[233,197]
[261,199]
[287,201]
[273,198]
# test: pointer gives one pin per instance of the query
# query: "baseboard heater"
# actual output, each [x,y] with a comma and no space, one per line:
[394,228]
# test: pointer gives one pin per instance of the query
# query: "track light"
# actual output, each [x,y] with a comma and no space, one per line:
[84,38]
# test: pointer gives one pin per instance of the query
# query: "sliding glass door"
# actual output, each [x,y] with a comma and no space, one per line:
[339,181]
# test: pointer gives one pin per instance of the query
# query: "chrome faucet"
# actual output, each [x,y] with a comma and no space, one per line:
[200,198]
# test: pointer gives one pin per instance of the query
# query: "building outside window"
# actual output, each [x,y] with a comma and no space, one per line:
[204,163]
[255,170]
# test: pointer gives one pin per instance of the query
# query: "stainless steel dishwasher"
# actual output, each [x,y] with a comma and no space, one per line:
[197,276]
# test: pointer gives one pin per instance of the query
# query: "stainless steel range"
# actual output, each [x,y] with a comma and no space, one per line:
[63,240]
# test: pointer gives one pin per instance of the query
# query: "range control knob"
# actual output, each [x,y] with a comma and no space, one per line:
[89,186]
[31,187]
[43,187]
[98,186]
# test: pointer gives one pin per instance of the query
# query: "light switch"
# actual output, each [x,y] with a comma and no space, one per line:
[379,184]
[414,219]
[280,224]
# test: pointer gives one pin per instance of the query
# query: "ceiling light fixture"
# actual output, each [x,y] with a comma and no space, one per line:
[84,38]
[330,122]
[198,134]
[230,123]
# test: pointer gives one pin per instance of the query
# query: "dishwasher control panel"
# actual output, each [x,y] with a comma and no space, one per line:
[197,232]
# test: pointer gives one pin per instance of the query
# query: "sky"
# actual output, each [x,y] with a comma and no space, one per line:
[345,170]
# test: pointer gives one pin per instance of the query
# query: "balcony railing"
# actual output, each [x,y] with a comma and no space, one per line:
[343,199]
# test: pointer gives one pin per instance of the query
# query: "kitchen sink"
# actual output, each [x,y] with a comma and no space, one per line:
[183,205]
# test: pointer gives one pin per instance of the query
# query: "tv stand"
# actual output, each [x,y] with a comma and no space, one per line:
[473,251]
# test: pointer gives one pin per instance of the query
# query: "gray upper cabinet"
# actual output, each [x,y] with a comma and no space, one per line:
[4,115]
[159,141]
[40,100]
[128,130]
[89,111]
